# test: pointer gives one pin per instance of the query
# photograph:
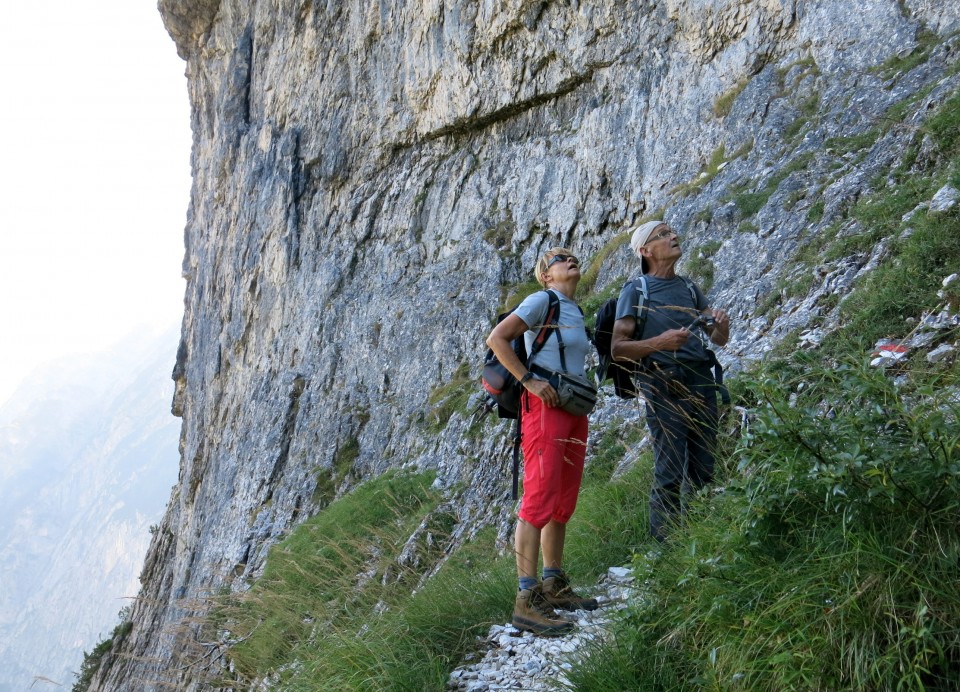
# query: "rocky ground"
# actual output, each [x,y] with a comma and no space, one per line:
[514,660]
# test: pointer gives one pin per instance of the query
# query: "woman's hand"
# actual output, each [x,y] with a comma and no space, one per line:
[543,391]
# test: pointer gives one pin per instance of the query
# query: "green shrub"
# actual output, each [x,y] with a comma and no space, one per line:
[829,559]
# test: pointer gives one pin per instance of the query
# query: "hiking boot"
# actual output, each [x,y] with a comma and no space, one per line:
[531,613]
[559,594]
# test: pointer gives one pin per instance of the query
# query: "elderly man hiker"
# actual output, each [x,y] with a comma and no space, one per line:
[674,369]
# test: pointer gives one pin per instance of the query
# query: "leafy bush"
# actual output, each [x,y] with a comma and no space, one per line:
[829,560]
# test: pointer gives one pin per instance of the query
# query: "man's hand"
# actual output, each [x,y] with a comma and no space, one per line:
[544,391]
[721,327]
[672,339]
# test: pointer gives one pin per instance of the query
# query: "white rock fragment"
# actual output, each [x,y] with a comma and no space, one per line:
[515,660]
[882,362]
[939,353]
[620,573]
[942,320]
[920,207]
[945,198]
[921,339]
[811,338]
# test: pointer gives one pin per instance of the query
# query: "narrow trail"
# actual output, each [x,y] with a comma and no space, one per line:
[521,661]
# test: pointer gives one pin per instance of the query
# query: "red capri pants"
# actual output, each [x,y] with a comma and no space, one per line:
[554,445]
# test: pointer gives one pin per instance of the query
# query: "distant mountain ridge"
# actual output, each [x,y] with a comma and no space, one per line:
[88,452]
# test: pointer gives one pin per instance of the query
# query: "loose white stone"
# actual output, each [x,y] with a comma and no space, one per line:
[921,339]
[939,353]
[620,573]
[945,198]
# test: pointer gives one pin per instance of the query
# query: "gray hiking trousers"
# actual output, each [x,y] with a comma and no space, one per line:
[681,402]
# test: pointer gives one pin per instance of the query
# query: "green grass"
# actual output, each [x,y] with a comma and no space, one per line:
[713,166]
[335,609]
[944,127]
[908,277]
[724,102]
[829,560]
[451,397]
[840,146]
[749,203]
[592,301]
[815,212]
[904,284]
[588,280]
[808,66]
[513,295]
[309,586]
[926,41]
[93,659]
[699,266]
[806,112]
[422,637]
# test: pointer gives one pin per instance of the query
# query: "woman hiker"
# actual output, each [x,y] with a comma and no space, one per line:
[554,444]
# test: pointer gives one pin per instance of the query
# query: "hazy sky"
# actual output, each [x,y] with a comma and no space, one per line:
[94,182]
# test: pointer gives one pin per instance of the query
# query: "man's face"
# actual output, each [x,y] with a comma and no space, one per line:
[663,245]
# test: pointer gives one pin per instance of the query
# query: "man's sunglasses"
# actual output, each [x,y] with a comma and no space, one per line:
[661,235]
[561,258]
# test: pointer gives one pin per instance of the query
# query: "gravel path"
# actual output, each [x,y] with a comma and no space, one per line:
[521,661]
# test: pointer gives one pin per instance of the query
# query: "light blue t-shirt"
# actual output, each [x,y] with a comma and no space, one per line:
[533,312]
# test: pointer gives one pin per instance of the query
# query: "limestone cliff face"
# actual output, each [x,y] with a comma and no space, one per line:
[367,176]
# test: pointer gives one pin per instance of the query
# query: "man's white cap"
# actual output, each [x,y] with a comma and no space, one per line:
[639,239]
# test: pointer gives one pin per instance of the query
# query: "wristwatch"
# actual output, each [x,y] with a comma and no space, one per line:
[526,378]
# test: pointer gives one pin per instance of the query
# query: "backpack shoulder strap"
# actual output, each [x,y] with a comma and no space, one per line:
[692,289]
[550,321]
[641,287]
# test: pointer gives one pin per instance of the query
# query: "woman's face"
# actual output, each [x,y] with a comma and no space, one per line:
[562,268]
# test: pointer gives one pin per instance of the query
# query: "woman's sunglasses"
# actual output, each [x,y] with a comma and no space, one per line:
[561,258]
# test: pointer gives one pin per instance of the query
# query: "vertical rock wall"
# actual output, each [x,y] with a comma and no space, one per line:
[367,176]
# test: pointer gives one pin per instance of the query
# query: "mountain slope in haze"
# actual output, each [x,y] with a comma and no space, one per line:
[88,452]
